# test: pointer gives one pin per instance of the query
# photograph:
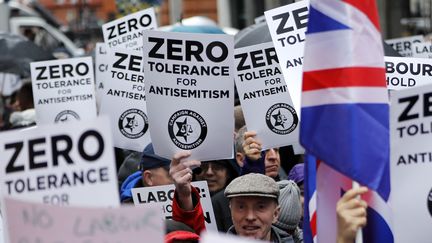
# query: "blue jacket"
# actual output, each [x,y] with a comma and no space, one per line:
[126,188]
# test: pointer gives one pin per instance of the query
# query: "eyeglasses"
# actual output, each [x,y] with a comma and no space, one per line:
[216,167]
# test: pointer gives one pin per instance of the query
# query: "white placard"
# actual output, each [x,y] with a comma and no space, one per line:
[9,83]
[126,32]
[33,222]
[63,164]
[101,73]
[1,229]
[404,45]
[63,90]
[264,97]
[298,149]
[422,50]
[287,25]
[213,237]
[406,72]
[162,196]
[190,93]
[411,164]
[124,100]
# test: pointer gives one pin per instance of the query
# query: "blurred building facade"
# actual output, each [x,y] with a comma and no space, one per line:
[81,14]
[398,17]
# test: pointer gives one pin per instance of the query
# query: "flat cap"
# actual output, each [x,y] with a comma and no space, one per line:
[252,185]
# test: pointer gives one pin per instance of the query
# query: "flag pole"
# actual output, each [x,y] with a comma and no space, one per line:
[359,235]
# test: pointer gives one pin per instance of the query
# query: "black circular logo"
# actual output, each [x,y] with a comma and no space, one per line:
[187,129]
[429,202]
[66,115]
[281,118]
[133,123]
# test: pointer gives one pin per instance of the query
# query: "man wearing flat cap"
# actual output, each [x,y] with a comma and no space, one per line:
[254,207]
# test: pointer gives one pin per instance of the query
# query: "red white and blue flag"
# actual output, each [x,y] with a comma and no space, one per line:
[310,200]
[345,111]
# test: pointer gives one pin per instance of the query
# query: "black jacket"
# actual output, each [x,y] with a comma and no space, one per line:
[222,211]
[276,237]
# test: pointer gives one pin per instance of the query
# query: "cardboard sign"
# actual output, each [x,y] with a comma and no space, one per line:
[102,73]
[404,45]
[411,164]
[1,230]
[266,103]
[422,50]
[63,90]
[214,237]
[64,164]
[124,100]
[126,32]
[298,149]
[287,25]
[162,196]
[406,72]
[9,83]
[190,93]
[32,222]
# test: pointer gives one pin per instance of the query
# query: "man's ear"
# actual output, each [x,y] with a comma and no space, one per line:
[276,214]
[239,159]
[147,178]
[231,210]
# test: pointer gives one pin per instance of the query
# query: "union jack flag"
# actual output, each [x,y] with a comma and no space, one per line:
[345,112]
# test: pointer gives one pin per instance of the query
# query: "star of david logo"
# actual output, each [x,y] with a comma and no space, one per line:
[131,123]
[184,129]
[280,119]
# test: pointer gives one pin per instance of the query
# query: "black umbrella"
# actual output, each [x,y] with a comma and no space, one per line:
[252,35]
[16,53]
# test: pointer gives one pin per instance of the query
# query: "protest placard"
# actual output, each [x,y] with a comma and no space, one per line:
[34,222]
[124,100]
[213,237]
[406,72]
[1,229]
[64,164]
[411,164]
[287,25]
[298,149]
[190,93]
[102,72]
[9,83]
[126,32]
[63,90]
[422,50]
[404,45]
[162,196]
[264,97]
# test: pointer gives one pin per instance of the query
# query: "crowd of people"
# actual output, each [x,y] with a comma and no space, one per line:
[252,195]
[257,194]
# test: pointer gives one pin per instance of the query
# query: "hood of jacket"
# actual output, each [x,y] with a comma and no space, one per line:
[130,182]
